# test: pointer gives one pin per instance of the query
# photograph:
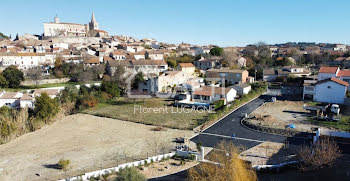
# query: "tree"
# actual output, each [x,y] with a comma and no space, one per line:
[139,77]
[323,153]
[13,76]
[130,174]
[34,74]
[119,77]
[3,82]
[228,167]
[45,107]
[111,88]
[216,51]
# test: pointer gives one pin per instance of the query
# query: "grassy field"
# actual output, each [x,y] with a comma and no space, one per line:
[153,111]
[342,125]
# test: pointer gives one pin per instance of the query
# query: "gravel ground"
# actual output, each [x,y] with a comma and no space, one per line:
[279,114]
[89,142]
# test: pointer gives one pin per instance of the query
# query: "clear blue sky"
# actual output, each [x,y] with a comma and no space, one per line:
[221,22]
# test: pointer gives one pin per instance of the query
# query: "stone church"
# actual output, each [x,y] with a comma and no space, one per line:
[57,28]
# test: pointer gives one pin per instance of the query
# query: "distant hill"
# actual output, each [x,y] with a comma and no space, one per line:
[2,36]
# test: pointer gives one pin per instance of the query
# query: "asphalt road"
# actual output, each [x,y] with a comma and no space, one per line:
[231,126]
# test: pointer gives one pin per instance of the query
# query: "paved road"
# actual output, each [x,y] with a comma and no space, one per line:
[231,125]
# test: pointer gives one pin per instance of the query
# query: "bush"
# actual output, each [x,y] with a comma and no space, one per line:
[89,101]
[219,104]
[110,88]
[3,82]
[63,164]
[130,174]
[45,107]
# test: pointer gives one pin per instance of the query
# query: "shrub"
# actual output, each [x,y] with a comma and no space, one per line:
[45,107]
[130,174]
[89,101]
[3,82]
[110,88]
[219,104]
[63,164]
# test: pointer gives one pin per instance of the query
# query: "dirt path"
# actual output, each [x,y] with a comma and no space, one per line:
[89,142]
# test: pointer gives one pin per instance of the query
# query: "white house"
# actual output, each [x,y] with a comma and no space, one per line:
[26,101]
[150,66]
[10,99]
[331,90]
[52,93]
[242,89]
[242,62]
[208,94]
[27,60]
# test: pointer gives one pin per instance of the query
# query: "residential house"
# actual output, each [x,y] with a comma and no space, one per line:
[150,66]
[154,55]
[26,101]
[226,76]
[207,94]
[118,55]
[52,93]
[164,83]
[27,60]
[327,72]
[242,62]
[270,75]
[331,90]
[10,99]
[186,67]
[206,64]
[241,89]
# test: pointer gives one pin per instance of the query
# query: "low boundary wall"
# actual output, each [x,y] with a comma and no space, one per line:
[97,173]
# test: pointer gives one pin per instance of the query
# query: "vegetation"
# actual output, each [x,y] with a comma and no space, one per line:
[2,36]
[63,164]
[226,166]
[342,125]
[323,153]
[45,107]
[130,174]
[155,112]
[13,77]
[216,51]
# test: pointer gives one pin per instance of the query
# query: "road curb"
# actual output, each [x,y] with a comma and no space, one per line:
[231,112]
[263,131]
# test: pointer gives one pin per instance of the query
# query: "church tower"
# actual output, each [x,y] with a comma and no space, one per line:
[57,20]
[93,25]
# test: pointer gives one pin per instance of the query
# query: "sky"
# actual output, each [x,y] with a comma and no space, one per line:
[201,22]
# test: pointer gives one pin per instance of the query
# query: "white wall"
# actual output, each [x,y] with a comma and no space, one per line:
[330,92]
[323,76]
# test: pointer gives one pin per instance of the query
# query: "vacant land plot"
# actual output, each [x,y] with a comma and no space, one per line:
[279,114]
[270,153]
[150,111]
[89,142]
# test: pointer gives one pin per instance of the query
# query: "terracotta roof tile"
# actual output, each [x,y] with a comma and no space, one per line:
[209,91]
[334,80]
[186,65]
[344,73]
[329,70]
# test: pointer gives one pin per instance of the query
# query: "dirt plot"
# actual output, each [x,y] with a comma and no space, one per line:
[89,142]
[279,114]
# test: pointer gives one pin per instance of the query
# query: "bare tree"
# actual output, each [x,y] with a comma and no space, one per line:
[156,144]
[35,74]
[323,153]
[225,165]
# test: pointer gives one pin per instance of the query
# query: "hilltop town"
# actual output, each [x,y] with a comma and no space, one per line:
[76,95]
